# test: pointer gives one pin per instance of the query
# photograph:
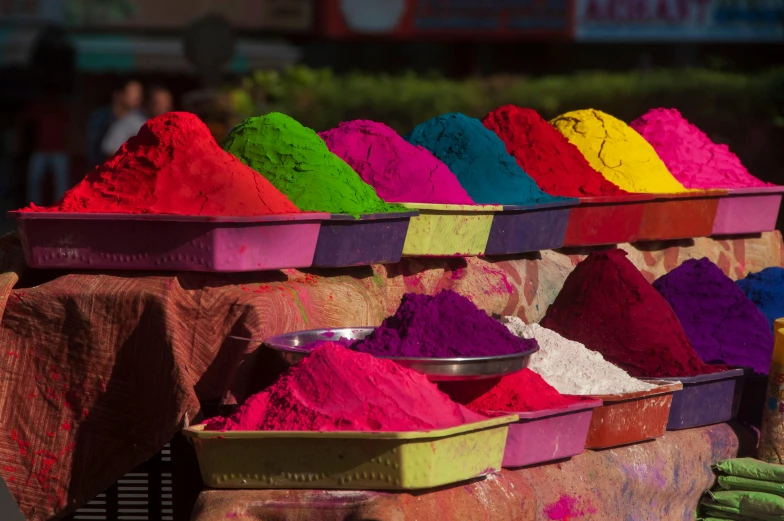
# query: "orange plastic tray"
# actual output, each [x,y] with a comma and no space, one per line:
[631,417]
[680,216]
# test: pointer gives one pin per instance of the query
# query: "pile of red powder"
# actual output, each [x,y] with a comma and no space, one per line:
[523,391]
[557,166]
[174,166]
[607,305]
[336,389]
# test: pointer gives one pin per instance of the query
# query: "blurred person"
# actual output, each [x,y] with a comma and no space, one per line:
[126,97]
[49,118]
[128,124]
[160,101]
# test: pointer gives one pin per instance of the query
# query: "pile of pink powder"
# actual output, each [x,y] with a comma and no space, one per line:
[690,155]
[336,389]
[399,171]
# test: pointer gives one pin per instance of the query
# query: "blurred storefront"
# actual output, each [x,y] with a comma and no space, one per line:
[447,19]
[88,46]
[679,20]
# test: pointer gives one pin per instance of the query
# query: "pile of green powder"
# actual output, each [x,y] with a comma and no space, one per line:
[297,161]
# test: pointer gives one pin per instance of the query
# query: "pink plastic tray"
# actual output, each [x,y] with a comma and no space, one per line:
[748,210]
[168,242]
[548,435]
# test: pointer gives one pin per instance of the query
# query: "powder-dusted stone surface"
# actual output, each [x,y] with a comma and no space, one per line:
[617,151]
[546,155]
[297,161]
[607,305]
[690,155]
[766,289]
[479,160]
[445,325]
[399,171]
[186,324]
[722,324]
[660,480]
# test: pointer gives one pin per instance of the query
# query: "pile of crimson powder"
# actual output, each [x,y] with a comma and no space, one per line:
[557,166]
[607,305]
[446,325]
[722,324]
[174,166]
[335,389]
[523,391]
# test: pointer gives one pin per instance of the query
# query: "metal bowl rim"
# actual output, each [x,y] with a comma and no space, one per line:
[271,342]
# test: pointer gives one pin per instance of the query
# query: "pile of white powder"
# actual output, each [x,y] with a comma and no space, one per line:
[571,367]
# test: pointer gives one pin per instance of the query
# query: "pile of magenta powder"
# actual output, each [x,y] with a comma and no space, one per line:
[446,325]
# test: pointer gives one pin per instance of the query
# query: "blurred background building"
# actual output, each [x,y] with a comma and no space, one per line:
[65,65]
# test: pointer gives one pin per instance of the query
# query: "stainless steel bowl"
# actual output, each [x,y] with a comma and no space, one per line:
[290,348]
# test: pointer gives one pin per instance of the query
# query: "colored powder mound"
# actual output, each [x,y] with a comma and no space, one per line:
[445,325]
[399,171]
[722,324]
[690,155]
[617,151]
[523,391]
[546,155]
[479,160]
[607,305]
[294,159]
[570,367]
[174,166]
[766,290]
[335,389]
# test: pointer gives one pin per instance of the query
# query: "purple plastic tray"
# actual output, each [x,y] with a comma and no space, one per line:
[548,435]
[705,399]
[748,210]
[752,401]
[168,242]
[524,228]
[371,239]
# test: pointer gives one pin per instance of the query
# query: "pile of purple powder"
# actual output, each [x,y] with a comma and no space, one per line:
[446,325]
[723,325]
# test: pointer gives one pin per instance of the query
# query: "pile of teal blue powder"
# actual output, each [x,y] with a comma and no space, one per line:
[478,157]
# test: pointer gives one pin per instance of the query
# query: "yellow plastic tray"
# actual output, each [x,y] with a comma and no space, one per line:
[449,229]
[349,459]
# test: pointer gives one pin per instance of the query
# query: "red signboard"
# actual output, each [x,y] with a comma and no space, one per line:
[486,19]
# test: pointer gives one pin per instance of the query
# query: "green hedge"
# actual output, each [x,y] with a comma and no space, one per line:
[744,111]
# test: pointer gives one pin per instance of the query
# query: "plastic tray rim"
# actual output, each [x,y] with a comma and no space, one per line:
[448,208]
[546,413]
[379,216]
[710,377]
[197,431]
[662,387]
[85,216]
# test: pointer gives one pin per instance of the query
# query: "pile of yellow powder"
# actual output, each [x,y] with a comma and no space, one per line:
[617,151]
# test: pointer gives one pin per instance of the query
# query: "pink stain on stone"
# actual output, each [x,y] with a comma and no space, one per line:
[566,509]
